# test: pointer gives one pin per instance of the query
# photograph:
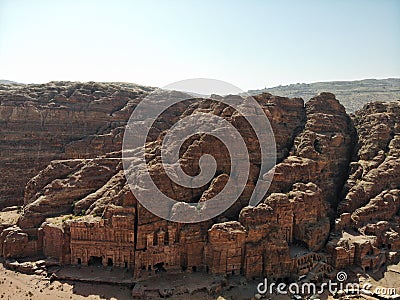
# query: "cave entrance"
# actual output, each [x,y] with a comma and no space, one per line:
[194,269]
[109,262]
[79,261]
[318,146]
[159,267]
[95,261]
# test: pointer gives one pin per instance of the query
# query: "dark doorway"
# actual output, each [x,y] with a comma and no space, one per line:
[317,146]
[126,265]
[79,261]
[95,261]
[159,267]
[194,269]
[109,262]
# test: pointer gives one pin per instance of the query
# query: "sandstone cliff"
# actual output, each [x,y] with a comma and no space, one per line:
[333,202]
[367,232]
[59,120]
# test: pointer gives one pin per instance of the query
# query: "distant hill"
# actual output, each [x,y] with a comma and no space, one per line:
[4,81]
[352,94]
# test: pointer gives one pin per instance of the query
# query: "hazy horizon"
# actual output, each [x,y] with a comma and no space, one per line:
[174,83]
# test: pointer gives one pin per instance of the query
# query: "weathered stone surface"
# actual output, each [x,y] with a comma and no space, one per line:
[18,243]
[279,224]
[108,240]
[321,152]
[286,229]
[367,230]
[56,240]
[37,267]
[80,210]
[58,120]
[58,196]
[226,248]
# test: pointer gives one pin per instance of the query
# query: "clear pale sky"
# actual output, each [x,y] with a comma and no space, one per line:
[251,44]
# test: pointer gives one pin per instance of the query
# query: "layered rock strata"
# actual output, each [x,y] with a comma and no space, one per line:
[59,120]
[83,203]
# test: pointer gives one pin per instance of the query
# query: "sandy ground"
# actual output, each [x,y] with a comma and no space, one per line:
[94,274]
[14,285]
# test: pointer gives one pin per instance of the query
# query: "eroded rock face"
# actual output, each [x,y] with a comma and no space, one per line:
[59,120]
[321,151]
[367,231]
[288,234]
[283,225]
[59,196]
[18,243]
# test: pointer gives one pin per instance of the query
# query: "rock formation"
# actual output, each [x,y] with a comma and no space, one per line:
[59,120]
[367,232]
[333,202]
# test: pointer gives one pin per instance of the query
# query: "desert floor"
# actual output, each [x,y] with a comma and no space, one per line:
[14,285]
